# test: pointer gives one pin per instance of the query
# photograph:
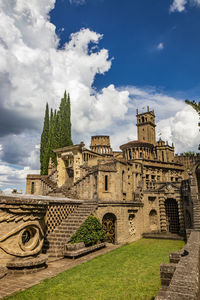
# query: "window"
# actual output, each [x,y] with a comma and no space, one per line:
[130,154]
[162,156]
[106,182]
[123,183]
[151,198]
[32,187]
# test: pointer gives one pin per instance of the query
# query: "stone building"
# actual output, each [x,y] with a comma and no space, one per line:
[137,190]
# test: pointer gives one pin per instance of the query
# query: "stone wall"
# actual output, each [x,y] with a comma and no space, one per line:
[180,278]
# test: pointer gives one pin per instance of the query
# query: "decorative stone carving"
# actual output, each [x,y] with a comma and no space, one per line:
[21,228]
[132,228]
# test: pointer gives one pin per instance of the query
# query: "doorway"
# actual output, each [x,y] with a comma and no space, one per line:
[172,216]
[109,225]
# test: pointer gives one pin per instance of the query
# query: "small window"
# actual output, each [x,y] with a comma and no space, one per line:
[32,187]
[151,199]
[153,177]
[106,182]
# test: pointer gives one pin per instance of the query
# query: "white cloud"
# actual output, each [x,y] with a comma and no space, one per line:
[77,2]
[179,5]
[160,46]
[13,177]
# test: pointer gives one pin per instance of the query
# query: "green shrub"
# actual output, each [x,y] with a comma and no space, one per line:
[90,232]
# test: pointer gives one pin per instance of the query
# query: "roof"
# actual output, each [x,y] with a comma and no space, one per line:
[133,144]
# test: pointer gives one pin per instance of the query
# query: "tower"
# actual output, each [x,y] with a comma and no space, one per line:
[146,127]
[101,144]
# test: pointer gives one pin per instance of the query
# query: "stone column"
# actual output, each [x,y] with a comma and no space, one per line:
[163,223]
[180,214]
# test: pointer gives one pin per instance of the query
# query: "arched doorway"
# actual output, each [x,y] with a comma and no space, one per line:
[109,224]
[172,216]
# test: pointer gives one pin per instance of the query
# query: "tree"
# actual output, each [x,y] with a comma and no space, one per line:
[44,145]
[195,105]
[64,118]
[56,133]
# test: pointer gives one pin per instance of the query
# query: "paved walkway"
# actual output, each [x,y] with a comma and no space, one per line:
[15,283]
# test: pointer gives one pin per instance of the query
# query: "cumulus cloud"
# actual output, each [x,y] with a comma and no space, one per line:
[176,121]
[33,71]
[180,5]
[13,177]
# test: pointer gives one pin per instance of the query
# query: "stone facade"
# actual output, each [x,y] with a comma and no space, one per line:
[140,189]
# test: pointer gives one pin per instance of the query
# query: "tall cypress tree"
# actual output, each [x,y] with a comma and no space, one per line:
[44,145]
[56,132]
[69,134]
[65,121]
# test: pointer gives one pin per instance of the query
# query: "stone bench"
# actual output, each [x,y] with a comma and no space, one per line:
[82,250]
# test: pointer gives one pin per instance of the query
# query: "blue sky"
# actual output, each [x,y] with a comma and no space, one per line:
[111,56]
[132,32]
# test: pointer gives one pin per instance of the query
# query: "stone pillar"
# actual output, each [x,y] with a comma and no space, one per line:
[180,214]
[163,223]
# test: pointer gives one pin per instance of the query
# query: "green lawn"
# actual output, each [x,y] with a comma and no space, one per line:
[129,272]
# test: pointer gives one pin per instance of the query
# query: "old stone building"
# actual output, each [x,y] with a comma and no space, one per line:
[137,190]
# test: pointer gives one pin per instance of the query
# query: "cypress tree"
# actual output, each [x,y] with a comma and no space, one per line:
[56,132]
[69,134]
[44,145]
[65,122]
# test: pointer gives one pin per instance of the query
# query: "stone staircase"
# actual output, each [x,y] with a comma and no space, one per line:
[196,214]
[74,191]
[50,186]
[54,242]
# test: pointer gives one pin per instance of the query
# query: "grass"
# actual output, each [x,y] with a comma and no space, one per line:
[129,272]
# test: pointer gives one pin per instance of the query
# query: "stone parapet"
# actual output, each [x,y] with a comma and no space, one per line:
[184,284]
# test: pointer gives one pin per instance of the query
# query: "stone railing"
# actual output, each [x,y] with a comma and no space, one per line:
[180,278]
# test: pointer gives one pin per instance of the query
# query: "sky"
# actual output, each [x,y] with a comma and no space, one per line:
[112,57]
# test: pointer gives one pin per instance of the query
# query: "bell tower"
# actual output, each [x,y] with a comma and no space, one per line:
[146,126]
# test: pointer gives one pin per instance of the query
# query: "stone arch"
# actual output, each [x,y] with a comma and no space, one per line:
[153,220]
[172,215]
[109,224]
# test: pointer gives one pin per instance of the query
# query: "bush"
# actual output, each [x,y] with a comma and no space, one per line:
[91,232]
